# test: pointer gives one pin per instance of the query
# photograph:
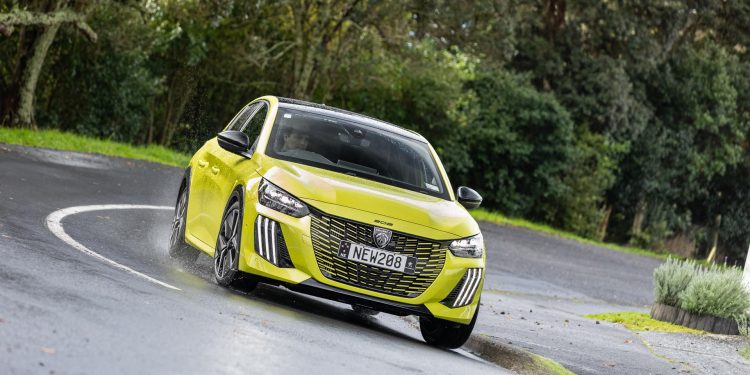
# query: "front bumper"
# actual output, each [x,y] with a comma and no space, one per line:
[315,288]
[306,276]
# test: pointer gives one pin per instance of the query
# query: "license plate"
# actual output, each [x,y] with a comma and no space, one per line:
[377,257]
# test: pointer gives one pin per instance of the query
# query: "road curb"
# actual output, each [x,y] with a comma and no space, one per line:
[512,358]
[520,361]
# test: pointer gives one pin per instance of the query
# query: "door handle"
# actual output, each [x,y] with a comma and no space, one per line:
[202,163]
[214,170]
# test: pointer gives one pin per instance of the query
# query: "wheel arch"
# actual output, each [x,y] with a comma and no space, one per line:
[185,184]
[240,189]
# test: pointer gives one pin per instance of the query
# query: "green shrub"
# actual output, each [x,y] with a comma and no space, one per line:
[716,292]
[521,144]
[672,278]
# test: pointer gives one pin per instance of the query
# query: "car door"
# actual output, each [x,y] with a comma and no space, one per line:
[196,214]
[224,166]
[204,185]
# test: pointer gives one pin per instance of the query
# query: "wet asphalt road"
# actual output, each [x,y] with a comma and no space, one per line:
[525,261]
[64,312]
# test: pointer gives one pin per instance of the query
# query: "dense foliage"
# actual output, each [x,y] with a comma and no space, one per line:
[619,120]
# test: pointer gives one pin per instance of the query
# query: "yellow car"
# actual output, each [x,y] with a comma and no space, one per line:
[338,205]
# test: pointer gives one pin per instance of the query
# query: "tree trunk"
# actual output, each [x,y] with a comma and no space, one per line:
[715,241]
[18,98]
[640,215]
[24,116]
[181,88]
[307,41]
[553,17]
[312,38]
[150,132]
[26,38]
[601,232]
[746,272]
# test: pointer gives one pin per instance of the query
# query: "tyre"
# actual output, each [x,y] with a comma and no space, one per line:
[444,333]
[178,248]
[227,253]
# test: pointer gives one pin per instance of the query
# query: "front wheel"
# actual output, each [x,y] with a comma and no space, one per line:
[444,333]
[227,252]
[178,248]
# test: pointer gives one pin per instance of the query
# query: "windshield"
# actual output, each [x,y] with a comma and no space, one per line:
[339,144]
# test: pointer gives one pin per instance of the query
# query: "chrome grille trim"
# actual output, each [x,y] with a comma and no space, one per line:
[326,233]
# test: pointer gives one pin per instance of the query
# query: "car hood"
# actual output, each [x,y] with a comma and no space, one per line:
[323,189]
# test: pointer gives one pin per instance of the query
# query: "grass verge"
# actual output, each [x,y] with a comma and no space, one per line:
[745,352]
[551,366]
[636,321]
[73,142]
[498,218]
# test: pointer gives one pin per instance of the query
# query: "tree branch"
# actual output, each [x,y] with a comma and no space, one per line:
[347,13]
[676,35]
[18,17]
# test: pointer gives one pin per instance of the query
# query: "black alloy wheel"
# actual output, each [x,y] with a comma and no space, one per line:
[227,253]
[444,333]
[178,248]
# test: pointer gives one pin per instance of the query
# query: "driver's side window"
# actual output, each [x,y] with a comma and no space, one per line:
[255,124]
[250,121]
[241,119]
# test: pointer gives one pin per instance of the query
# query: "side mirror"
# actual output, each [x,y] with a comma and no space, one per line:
[468,197]
[234,141]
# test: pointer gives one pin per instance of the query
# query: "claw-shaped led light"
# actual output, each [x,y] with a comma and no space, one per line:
[276,198]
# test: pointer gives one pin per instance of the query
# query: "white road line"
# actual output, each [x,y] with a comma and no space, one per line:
[54,223]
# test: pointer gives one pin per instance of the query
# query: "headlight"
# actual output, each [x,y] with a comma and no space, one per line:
[274,197]
[471,247]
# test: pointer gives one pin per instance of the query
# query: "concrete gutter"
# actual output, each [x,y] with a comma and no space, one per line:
[512,358]
[507,356]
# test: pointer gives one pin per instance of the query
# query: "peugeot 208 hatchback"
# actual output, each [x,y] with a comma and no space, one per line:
[338,205]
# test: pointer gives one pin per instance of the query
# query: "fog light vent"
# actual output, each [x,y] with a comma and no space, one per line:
[464,292]
[270,244]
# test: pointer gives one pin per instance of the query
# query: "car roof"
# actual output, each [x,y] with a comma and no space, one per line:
[349,115]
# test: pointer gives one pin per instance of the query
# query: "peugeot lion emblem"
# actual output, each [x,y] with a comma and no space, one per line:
[381,236]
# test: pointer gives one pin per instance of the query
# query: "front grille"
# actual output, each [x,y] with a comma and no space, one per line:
[328,231]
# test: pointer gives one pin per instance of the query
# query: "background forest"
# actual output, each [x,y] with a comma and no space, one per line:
[624,121]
